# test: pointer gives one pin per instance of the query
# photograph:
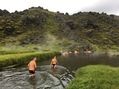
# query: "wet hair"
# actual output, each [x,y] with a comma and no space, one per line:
[34,58]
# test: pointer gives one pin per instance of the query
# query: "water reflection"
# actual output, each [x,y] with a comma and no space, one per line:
[18,78]
[77,60]
[73,61]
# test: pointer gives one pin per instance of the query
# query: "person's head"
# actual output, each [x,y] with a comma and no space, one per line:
[34,58]
[55,57]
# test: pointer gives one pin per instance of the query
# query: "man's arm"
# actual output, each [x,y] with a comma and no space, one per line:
[56,61]
[35,65]
[51,62]
[28,65]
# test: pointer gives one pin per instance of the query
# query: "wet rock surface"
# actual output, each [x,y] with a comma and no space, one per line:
[45,78]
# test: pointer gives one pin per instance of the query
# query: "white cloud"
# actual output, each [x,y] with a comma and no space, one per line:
[108,6]
[70,6]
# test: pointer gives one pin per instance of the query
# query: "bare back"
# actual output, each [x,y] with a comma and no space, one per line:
[32,65]
[54,61]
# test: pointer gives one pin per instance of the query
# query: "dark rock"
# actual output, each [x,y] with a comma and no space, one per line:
[9,30]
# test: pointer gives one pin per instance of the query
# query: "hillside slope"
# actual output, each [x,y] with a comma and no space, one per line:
[40,29]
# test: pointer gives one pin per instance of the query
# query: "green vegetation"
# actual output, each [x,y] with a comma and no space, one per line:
[3,52]
[96,77]
[21,58]
[37,28]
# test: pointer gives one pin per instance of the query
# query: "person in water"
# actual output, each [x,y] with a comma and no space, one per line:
[32,67]
[54,62]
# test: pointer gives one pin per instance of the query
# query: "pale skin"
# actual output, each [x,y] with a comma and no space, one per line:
[53,62]
[32,67]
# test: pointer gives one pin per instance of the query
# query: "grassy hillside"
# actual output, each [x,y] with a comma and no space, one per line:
[39,29]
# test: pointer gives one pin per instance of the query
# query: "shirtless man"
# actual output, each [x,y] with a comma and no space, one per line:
[53,62]
[32,67]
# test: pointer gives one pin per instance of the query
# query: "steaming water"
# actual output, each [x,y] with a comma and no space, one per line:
[18,78]
[45,78]
[74,61]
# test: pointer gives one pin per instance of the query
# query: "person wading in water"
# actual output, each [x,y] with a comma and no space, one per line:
[32,67]
[53,63]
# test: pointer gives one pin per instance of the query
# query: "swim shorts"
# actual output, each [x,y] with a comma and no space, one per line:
[53,65]
[31,72]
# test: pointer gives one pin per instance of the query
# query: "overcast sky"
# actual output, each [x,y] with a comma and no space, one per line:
[63,6]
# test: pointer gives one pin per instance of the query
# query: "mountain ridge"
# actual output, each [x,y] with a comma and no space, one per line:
[41,29]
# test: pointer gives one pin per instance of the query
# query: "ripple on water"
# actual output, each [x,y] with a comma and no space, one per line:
[45,78]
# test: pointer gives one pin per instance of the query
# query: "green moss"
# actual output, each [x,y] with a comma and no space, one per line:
[23,58]
[4,52]
[31,26]
[96,77]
